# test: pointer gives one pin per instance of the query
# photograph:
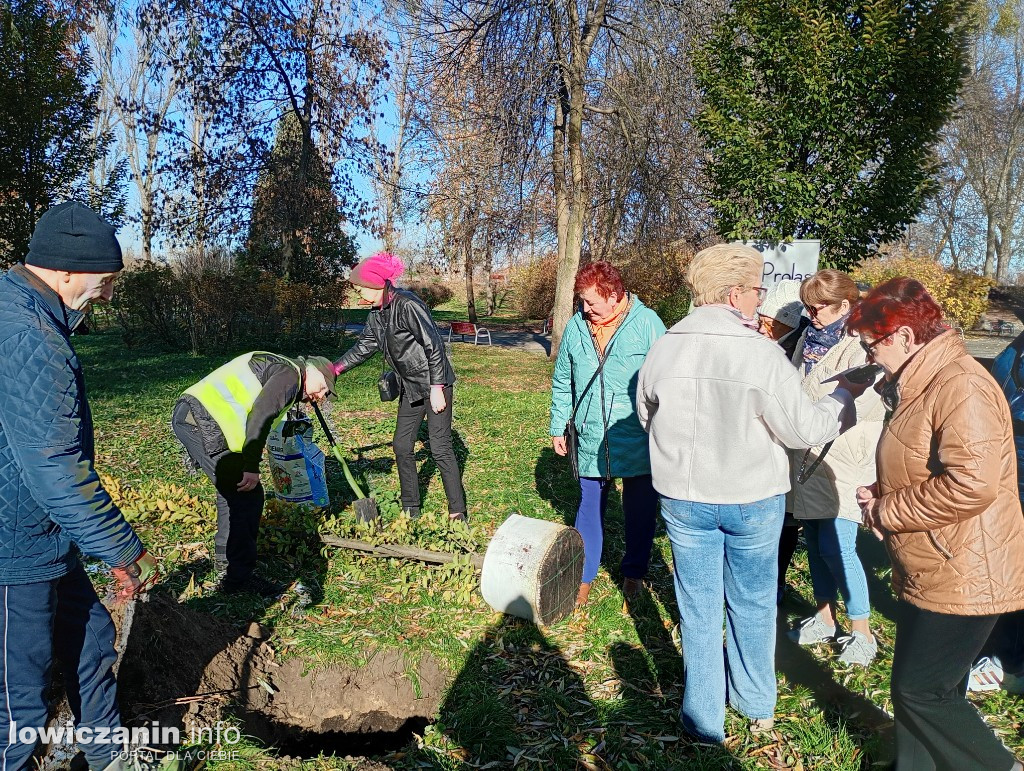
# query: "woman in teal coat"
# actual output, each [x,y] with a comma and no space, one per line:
[615,328]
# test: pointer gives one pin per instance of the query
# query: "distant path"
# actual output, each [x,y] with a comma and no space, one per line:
[533,342]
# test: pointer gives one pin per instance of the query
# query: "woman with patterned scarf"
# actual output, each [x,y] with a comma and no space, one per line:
[823,496]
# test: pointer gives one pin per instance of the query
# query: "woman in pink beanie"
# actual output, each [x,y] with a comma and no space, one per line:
[399,325]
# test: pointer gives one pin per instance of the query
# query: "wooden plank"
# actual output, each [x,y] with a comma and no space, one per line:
[399,552]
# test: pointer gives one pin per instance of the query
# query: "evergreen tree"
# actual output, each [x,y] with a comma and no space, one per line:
[820,116]
[297,227]
[47,110]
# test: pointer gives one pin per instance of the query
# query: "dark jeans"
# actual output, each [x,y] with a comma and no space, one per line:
[936,727]
[439,429]
[60,619]
[639,513]
[238,513]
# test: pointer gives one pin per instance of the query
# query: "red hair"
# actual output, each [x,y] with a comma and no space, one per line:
[601,275]
[899,302]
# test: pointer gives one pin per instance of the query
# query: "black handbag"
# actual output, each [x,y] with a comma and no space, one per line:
[388,385]
[572,433]
[572,446]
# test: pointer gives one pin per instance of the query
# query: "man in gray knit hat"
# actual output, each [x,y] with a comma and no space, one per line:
[53,507]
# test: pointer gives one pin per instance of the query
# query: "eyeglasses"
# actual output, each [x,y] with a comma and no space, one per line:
[869,348]
[814,310]
[761,292]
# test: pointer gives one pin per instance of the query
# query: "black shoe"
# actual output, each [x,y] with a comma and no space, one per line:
[412,512]
[254,584]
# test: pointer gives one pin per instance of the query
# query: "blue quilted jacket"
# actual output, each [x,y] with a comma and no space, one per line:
[51,499]
[1008,370]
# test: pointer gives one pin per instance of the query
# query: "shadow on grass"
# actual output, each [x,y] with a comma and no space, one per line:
[554,483]
[516,699]
[646,703]
[837,702]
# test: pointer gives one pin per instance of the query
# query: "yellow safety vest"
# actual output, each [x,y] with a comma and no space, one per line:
[228,394]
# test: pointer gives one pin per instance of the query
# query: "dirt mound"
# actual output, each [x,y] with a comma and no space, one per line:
[186,669]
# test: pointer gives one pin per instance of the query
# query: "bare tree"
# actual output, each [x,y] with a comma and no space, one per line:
[249,63]
[984,145]
[135,45]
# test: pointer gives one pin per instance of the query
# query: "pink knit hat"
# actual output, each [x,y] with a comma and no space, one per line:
[374,271]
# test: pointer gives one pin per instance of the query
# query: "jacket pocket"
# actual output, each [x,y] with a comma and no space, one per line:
[934,539]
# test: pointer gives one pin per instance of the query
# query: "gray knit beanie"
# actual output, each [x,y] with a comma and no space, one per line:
[72,237]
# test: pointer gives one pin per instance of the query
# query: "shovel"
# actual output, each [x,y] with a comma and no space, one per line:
[366,508]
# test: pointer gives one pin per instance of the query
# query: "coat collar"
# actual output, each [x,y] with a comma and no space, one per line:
[714,320]
[631,313]
[920,371]
[65,317]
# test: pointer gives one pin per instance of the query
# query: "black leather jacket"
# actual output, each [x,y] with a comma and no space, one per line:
[413,347]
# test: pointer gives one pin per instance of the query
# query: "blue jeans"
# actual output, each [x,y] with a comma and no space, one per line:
[835,566]
[640,513]
[68,612]
[725,553]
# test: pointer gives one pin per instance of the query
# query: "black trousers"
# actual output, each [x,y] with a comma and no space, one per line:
[788,541]
[1007,642]
[936,727]
[439,428]
[238,513]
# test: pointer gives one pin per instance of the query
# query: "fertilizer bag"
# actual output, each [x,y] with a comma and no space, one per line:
[296,463]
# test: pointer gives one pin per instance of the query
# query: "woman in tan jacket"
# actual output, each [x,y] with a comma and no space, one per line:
[946,505]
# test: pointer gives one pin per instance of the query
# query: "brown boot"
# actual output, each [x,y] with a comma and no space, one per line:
[582,595]
[632,587]
[631,591]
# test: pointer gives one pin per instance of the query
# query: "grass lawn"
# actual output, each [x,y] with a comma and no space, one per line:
[599,691]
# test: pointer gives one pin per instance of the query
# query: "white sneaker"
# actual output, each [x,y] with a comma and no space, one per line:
[986,675]
[812,630]
[857,649]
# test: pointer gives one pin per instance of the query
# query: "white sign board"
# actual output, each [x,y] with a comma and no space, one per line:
[796,260]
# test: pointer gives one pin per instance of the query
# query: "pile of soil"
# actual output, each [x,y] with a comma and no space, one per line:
[188,669]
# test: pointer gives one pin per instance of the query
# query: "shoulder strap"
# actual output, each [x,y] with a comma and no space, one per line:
[600,366]
[384,337]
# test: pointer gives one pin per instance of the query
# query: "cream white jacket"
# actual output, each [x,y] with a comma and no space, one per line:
[831,491]
[721,404]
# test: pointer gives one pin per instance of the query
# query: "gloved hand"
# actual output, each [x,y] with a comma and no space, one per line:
[437,400]
[136,578]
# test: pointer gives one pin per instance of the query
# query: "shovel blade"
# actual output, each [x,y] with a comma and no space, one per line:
[366,509]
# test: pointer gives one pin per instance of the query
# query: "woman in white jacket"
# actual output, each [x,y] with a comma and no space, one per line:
[721,403]
[825,501]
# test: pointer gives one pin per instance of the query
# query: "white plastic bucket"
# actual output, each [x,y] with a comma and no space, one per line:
[532,569]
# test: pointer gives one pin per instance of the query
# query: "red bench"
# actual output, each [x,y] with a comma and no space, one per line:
[463,328]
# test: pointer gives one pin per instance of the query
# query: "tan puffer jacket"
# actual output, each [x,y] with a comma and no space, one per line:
[947,474]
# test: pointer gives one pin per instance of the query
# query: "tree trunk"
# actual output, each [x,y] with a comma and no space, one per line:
[468,231]
[1004,251]
[990,246]
[492,305]
[565,274]
[146,225]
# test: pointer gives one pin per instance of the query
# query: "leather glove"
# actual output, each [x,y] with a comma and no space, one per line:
[136,578]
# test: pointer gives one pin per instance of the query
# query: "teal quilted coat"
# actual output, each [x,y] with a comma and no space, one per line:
[612,442]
